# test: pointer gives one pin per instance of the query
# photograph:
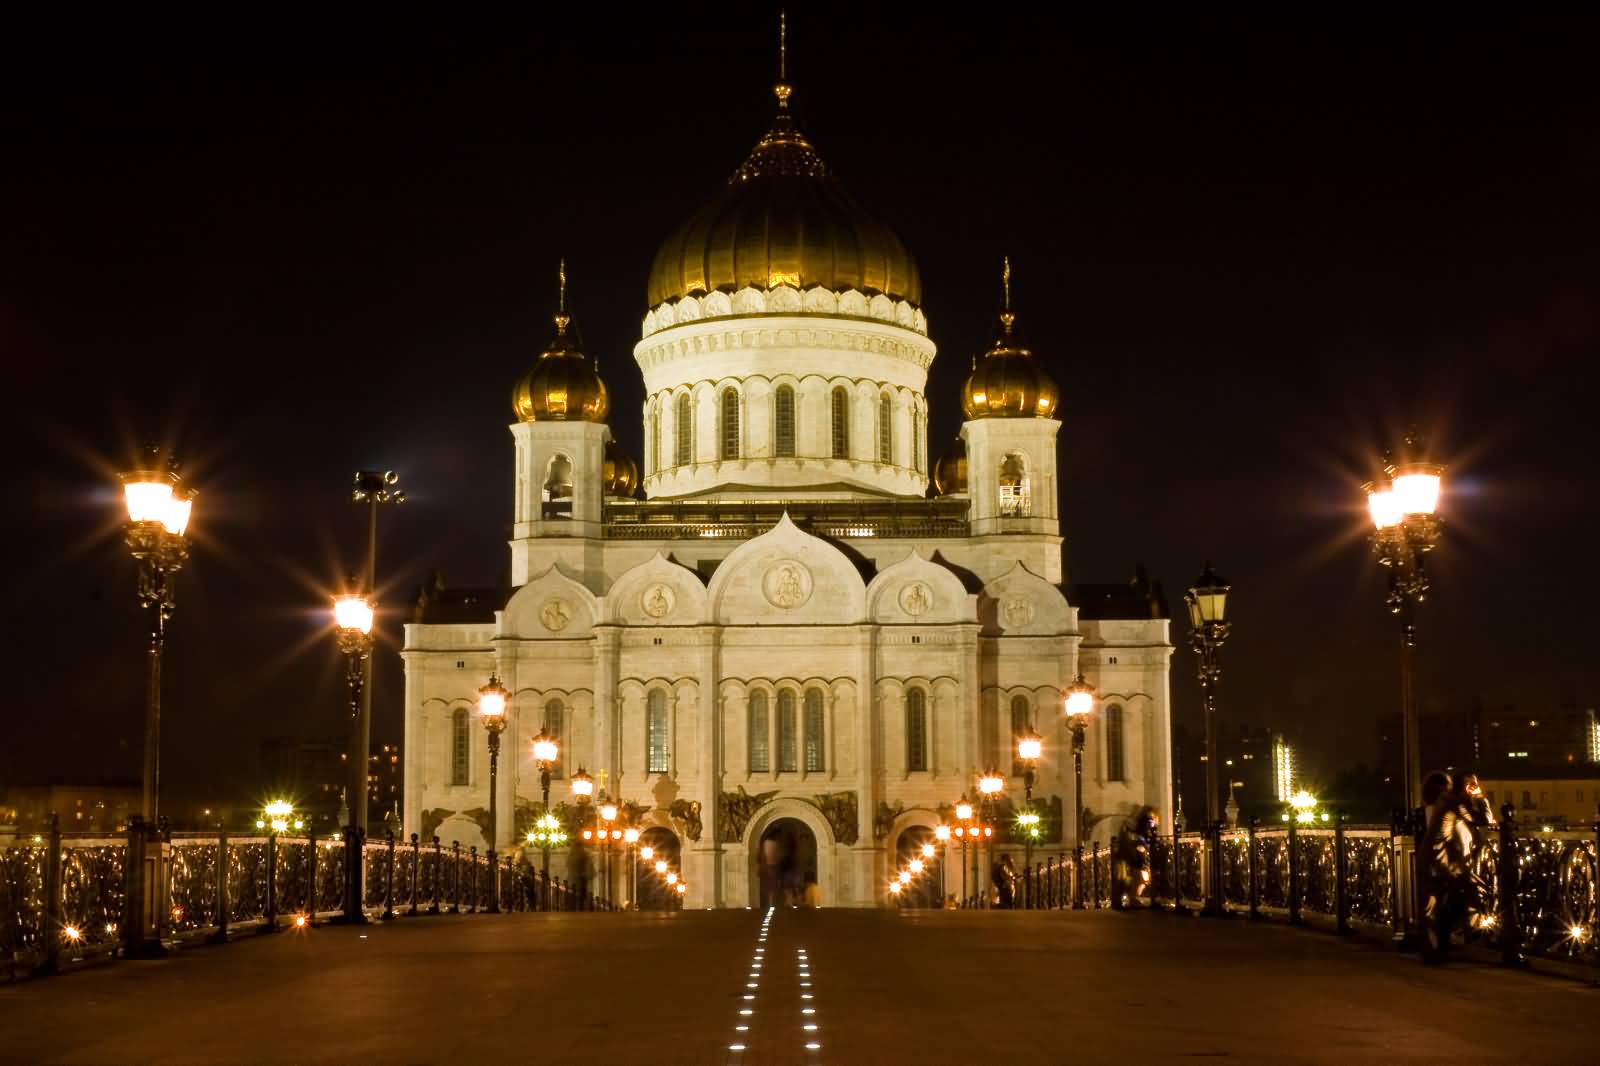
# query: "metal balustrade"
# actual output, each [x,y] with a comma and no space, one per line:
[64,896]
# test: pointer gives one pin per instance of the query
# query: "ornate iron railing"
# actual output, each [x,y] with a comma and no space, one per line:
[64,897]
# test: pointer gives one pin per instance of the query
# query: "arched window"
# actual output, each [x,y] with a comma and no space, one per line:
[1021,722]
[885,429]
[788,749]
[730,424]
[684,430]
[460,746]
[1013,486]
[760,745]
[553,713]
[653,460]
[556,494]
[814,737]
[655,730]
[916,730]
[916,440]
[839,405]
[1116,768]
[783,422]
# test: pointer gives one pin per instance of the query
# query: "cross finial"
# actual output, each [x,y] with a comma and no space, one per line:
[1005,280]
[561,275]
[783,88]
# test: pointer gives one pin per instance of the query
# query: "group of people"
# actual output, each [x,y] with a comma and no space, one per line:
[1458,820]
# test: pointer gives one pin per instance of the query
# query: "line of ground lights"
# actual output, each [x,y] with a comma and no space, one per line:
[808,1013]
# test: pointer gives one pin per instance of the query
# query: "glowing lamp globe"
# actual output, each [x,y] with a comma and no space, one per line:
[1080,700]
[545,748]
[1384,506]
[683,886]
[1207,599]
[916,866]
[672,878]
[991,783]
[630,836]
[1029,746]
[608,811]
[927,850]
[905,877]
[942,832]
[154,496]
[492,699]
[964,811]
[661,866]
[894,888]
[646,853]
[353,613]
[582,783]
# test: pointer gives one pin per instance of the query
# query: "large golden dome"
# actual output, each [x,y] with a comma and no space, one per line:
[562,386]
[783,220]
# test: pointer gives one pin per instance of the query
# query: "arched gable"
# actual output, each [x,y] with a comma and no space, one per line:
[1021,603]
[657,592]
[787,577]
[917,590]
[552,606]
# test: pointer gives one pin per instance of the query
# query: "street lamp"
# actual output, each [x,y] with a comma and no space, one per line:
[158,507]
[546,753]
[630,837]
[372,487]
[608,836]
[583,790]
[352,616]
[492,701]
[1029,747]
[1208,629]
[990,785]
[1403,504]
[1078,708]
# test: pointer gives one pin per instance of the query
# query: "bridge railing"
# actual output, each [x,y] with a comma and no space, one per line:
[65,896]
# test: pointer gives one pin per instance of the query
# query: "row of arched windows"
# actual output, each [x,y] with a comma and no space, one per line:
[1115,727]
[792,739]
[784,427]
[461,739]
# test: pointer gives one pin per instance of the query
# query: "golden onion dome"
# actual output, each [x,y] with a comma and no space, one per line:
[562,386]
[950,472]
[783,220]
[619,475]
[1008,382]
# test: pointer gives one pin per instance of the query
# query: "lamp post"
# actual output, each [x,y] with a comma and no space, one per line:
[583,791]
[1403,505]
[643,854]
[990,786]
[352,615]
[630,837]
[1078,708]
[546,751]
[606,836]
[1208,629]
[372,487]
[964,833]
[1029,747]
[492,700]
[158,507]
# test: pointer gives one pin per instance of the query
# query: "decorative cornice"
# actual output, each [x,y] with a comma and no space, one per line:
[828,333]
[785,300]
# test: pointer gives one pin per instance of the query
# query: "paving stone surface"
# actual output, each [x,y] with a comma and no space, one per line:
[885,986]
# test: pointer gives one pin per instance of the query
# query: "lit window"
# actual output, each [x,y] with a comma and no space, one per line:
[760,746]
[840,407]
[730,424]
[788,748]
[1116,770]
[656,732]
[460,746]
[885,429]
[684,430]
[814,737]
[916,730]
[783,418]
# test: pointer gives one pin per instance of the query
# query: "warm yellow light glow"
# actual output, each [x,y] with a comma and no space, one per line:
[661,866]
[630,836]
[73,932]
[1417,492]
[1029,748]
[582,784]
[147,496]
[279,808]
[905,877]
[1303,801]
[1305,817]
[260,824]
[299,921]
[492,700]
[646,852]
[1578,932]
[352,613]
[1080,701]
[942,832]
[964,811]
[545,749]
[991,783]
[916,866]
[616,834]
[672,878]
[927,849]
[608,811]
[894,888]
[1384,507]
[683,886]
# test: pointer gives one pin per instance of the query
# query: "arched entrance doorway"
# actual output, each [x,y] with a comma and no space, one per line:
[654,892]
[926,889]
[786,862]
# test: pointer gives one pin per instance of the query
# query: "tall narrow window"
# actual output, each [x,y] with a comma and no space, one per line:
[788,748]
[916,440]
[553,713]
[839,405]
[655,728]
[885,430]
[730,424]
[460,746]
[760,746]
[916,730]
[684,430]
[783,422]
[1021,722]
[653,460]
[1013,486]
[814,737]
[1116,768]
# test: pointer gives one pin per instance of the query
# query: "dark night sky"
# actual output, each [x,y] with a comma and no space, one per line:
[1250,251]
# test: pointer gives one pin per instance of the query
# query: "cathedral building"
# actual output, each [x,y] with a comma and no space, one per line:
[792,629]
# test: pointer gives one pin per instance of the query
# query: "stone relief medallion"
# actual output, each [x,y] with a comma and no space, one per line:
[786,584]
[916,599]
[657,601]
[1018,611]
[555,615]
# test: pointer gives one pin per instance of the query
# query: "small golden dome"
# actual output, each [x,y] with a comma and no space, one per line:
[619,475]
[783,220]
[1008,382]
[950,472]
[562,386]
